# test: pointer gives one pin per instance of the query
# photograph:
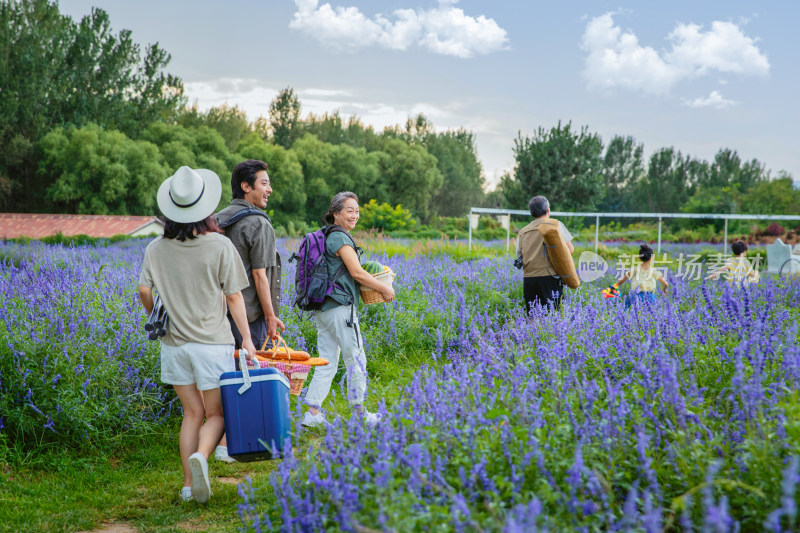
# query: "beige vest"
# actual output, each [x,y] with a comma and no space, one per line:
[531,246]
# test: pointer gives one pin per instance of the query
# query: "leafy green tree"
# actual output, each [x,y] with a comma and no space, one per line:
[54,72]
[97,171]
[197,147]
[327,127]
[261,128]
[623,168]
[410,175]
[562,164]
[329,169]
[457,160]
[670,180]
[315,159]
[728,170]
[778,196]
[287,204]
[331,128]
[230,122]
[119,86]
[359,135]
[284,118]
[385,217]
[714,200]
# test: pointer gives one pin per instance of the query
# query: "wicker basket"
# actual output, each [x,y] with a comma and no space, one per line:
[368,296]
[296,373]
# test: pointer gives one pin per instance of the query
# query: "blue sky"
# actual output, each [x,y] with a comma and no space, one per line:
[694,75]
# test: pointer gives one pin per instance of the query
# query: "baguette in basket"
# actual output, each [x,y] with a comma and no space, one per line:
[279,353]
[293,364]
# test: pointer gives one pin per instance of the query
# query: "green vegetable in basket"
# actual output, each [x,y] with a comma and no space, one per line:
[373,267]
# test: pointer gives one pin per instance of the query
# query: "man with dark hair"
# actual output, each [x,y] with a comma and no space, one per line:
[253,236]
[254,239]
[541,284]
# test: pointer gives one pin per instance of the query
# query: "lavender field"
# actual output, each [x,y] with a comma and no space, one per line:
[684,415]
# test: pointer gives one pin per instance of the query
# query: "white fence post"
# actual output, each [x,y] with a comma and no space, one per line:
[469,229]
[473,219]
[596,232]
[659,236]
[725,239]
[505,222]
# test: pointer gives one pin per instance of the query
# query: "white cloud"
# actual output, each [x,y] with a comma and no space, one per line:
[249,95]
[714,100]
[253,97]
[723,48]
[322,92]
[445,30]
[615,59]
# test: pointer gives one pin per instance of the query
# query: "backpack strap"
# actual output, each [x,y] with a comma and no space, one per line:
[239,215]
[327,230]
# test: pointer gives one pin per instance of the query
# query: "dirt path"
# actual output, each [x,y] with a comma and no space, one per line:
[114,528]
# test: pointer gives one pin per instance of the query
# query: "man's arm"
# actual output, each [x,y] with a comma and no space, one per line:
[265,297]
[236,307]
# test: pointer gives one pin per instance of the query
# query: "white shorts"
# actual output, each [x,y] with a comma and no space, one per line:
[193,362]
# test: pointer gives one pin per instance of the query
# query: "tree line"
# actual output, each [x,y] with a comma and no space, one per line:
[577,172]
[90,122]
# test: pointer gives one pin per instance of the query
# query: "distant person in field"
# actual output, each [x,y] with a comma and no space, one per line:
[337,324]
[197,274]
[644,279]
[737,269]
[541,285]
[253,236]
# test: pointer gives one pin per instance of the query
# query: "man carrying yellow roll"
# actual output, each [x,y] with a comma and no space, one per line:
[541,284]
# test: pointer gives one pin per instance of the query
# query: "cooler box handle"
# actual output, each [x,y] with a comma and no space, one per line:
[245,372]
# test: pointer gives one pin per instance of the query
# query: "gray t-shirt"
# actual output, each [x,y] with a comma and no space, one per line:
[254,239]
[193,278]
[333,242]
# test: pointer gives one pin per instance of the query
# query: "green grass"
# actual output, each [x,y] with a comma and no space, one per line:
[135,481]
[137,484]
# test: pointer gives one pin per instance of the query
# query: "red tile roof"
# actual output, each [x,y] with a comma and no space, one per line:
[36,226]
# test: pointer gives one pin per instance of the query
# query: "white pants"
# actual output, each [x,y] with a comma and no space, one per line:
[334,336]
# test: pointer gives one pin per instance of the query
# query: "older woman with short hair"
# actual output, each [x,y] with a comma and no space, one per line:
[337,322]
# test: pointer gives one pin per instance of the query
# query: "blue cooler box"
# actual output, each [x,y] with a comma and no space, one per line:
[256,418]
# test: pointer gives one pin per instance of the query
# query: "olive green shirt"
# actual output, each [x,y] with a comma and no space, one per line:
[348,293]
[254,239]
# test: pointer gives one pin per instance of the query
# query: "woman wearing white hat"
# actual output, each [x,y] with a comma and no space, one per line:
[196,271]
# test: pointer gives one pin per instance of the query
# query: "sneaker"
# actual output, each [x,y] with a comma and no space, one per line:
[311,421]
[221,454]
[372,418]
[201,488]
[186,494]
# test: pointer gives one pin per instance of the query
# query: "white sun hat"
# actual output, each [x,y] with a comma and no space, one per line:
[189,195]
